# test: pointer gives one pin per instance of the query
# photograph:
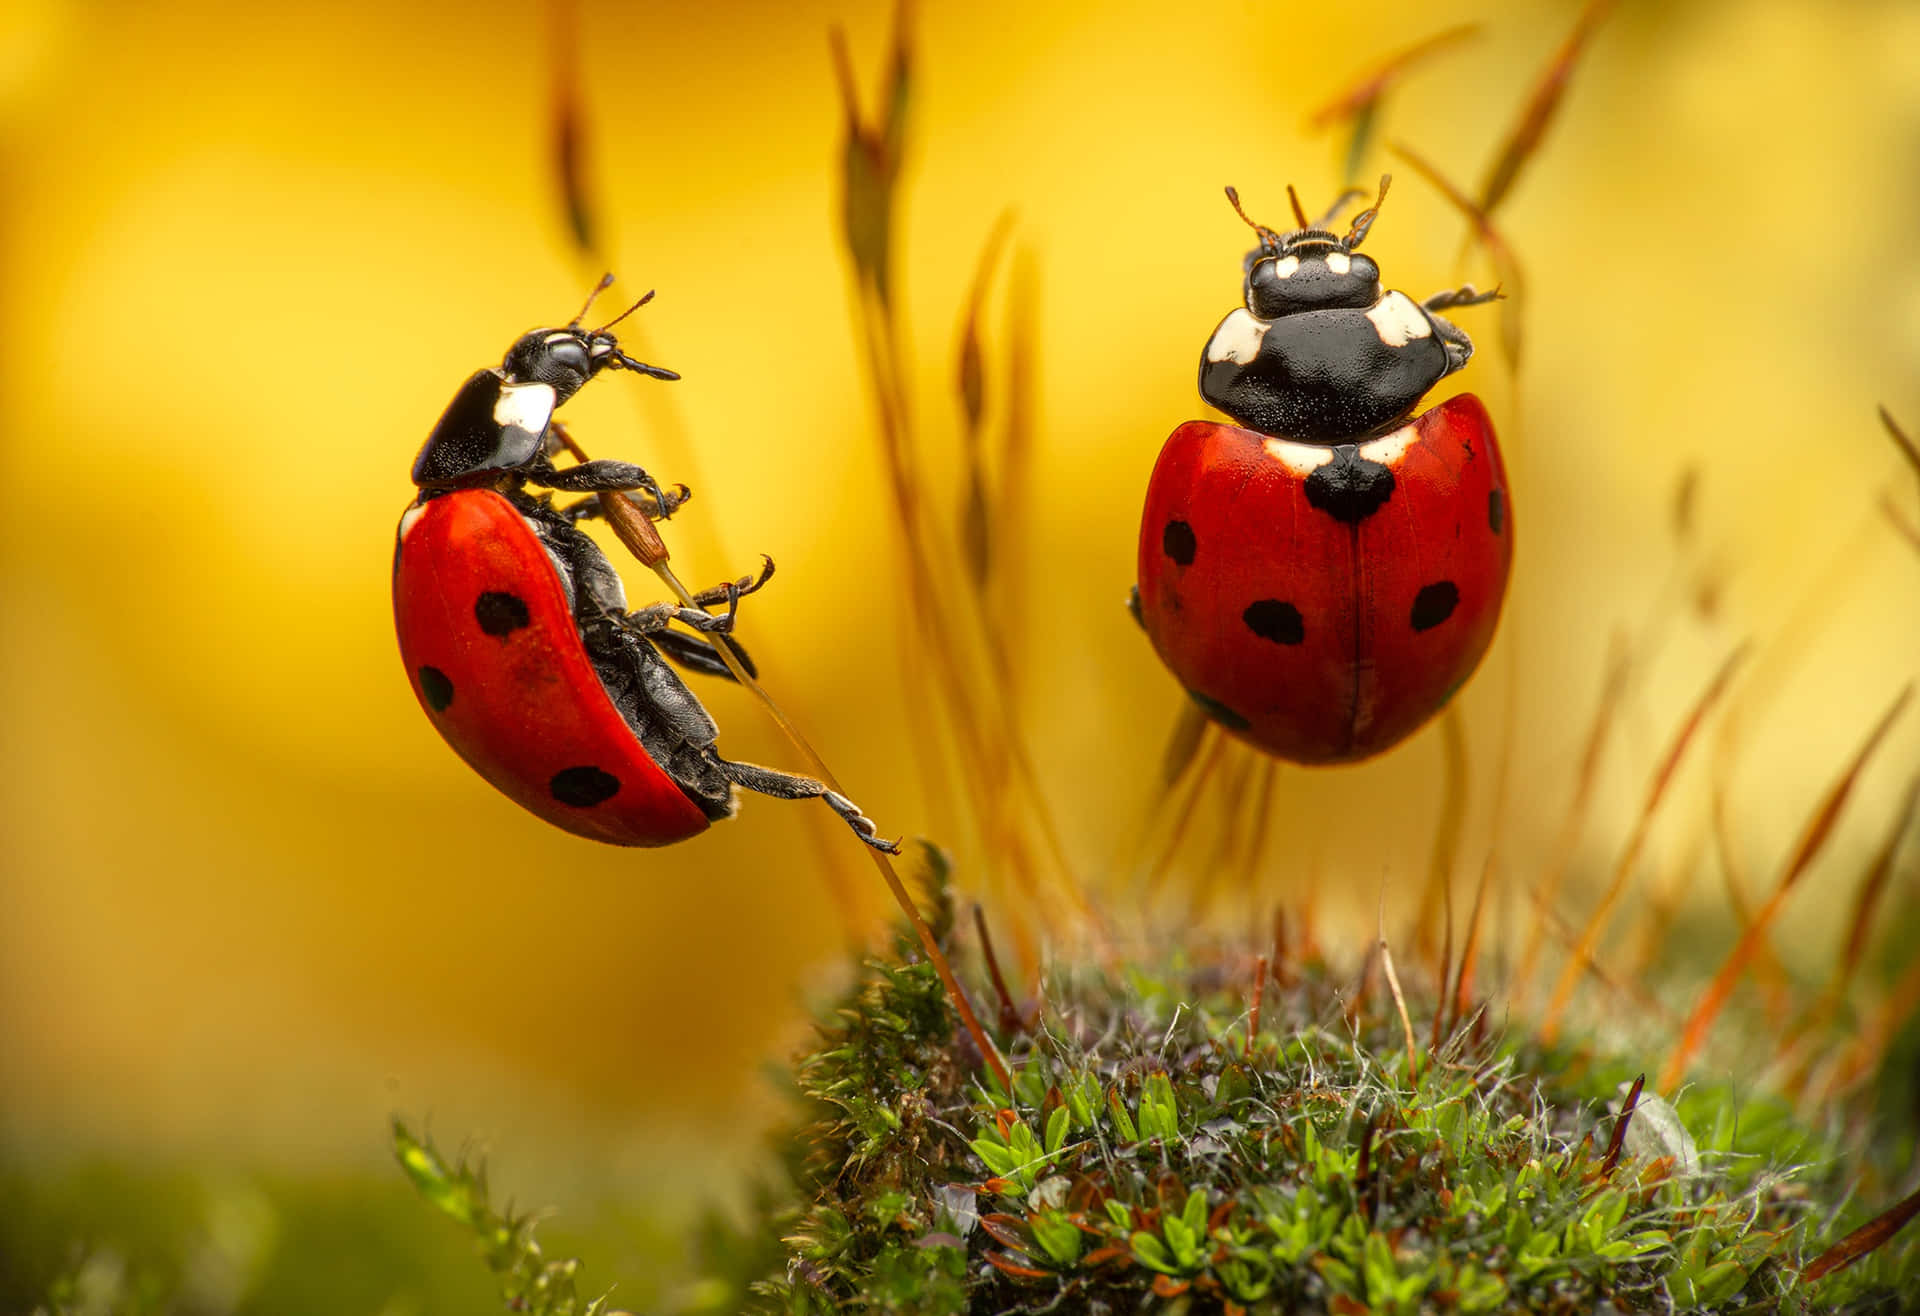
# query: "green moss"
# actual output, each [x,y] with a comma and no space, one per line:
[1152,1154]
[529,1280]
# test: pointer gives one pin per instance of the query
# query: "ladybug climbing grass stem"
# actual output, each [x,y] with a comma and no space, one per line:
[642,538]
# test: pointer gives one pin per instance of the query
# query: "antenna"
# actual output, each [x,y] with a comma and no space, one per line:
[1298,213]
[606,282]
[1268,238]
[1363,221]
[624,314]
[640,367]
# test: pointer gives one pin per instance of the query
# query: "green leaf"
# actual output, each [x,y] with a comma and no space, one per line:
[1381,1273]
[1150,1252]
[1082,1093]
[1195,1211]
[1058,1235]
[1341,1277]
[1247,1275]
[1601,1218]
[1480,1292]
[1715,1284]
[1159,1110]
[1181,1239]
[1057,1125]
[1000,1160]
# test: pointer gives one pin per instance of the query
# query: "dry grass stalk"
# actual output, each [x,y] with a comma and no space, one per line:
[1436,902]
[1623,870]
[1580,805]
[1863,1240]
[1359,104]
[1523,140]
[1506,265]
[952,628]
[1812,839]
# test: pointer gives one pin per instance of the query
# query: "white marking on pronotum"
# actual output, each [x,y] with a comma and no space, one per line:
[1284,267]
[409,519]
[1398,319]
[1388,449]
[526,406]
[1303,459]
[1339,262]
[1237,339]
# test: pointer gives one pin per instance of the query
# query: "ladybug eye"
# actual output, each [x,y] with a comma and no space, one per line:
[568,354]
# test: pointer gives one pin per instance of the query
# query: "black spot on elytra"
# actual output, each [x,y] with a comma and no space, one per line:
[1350,488]
[1178,543]
[1273,619]
[583,787]
[499,613]
[1496,510]
[436,687]
[1218,711]
[1434,604]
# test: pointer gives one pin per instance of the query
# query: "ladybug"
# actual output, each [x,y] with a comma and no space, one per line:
[1322,574]
[515,629]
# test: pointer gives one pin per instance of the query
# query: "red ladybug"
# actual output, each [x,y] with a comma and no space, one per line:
[1324,574]
[515,631]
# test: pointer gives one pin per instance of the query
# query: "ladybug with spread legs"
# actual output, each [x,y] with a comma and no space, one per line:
[1324,574]
[515,629]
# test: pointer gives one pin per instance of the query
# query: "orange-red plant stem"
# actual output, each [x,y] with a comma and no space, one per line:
[1818,828]
[640,536]
[1863,1240]
[1596,922]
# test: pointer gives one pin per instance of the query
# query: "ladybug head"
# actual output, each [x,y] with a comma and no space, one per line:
[1311,268]
[567,357]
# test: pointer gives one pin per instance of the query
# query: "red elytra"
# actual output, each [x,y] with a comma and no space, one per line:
[1324,638]
[518,697]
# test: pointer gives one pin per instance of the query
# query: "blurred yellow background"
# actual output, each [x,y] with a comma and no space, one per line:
[247,253]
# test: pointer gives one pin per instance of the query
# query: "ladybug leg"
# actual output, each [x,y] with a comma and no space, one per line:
[656,616]
[742,587]
[1454,341]
[1133,607]
[696,655]
[787,786]
[1458,347]
[1465,295]
[664,503]
[606,477]
[649,504]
